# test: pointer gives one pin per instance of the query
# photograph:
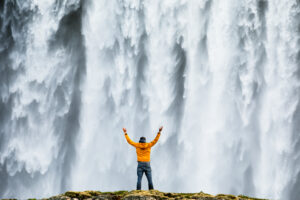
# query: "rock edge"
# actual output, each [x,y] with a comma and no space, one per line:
[144,195]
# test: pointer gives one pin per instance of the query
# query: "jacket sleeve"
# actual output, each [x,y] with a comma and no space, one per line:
[155,140]
[130,141]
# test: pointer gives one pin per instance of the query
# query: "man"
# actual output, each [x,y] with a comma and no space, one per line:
[143,151]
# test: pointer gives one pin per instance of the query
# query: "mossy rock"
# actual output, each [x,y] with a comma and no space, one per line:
[243,197]
[9,199]
[227,197]
[82,195]
[121,192]
[145,195]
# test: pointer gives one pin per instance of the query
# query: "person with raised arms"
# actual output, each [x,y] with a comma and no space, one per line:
[143,150]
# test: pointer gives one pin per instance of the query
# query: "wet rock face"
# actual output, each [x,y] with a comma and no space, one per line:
[144,195]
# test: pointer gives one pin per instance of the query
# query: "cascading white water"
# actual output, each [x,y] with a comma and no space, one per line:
[221,76]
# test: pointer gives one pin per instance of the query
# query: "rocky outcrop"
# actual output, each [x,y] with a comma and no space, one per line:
[144,195]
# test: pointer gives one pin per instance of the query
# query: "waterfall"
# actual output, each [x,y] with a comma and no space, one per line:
[222,77]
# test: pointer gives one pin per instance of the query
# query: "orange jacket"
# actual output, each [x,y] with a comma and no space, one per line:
[143,149]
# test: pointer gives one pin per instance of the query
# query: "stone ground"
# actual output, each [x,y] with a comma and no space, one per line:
[143,195]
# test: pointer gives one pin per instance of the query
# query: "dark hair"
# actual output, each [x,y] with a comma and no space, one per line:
[142,140]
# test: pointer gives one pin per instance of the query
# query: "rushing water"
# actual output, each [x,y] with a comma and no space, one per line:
[222,76]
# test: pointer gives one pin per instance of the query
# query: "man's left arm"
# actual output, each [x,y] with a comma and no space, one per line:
[128,139]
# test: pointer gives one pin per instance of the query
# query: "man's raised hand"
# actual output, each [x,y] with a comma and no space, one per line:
[161,128]
[124,129]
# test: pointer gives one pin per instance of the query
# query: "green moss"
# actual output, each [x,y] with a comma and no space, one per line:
[121,193]
[250,198]
[9,199]
[79,195]
[93,193]
[226,196]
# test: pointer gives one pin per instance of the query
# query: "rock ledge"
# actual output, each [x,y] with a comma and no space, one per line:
[144,195]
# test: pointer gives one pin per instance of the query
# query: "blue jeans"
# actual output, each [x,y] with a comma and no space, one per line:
[141,168]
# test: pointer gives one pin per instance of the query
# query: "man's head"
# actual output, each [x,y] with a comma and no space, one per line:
[142,140]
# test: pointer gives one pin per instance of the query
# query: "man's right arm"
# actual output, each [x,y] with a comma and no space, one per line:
[156,138]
